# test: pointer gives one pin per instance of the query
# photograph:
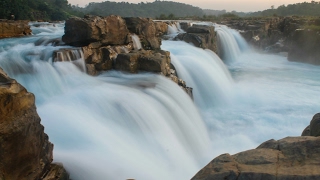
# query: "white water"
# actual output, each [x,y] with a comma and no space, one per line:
[118,126]
[229,41]
[114,126]
[136,42]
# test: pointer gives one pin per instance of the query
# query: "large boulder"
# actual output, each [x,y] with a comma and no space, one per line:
[314,128]
[148,31]
[289,158]
[110,30]
[25,151]
[144,60]
[9,28]
[200,36]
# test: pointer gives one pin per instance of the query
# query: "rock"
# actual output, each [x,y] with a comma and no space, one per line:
[9,28]
[200,36]
[306,131]
[314,128]
[315,125]
[161,28]
[101,58]
[110,30]
[289,158]
[304,46]
[185,25]
[148,31]
[144,60]
[25,150]
[56,172]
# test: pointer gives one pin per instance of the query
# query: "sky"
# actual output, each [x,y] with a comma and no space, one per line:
[229,5]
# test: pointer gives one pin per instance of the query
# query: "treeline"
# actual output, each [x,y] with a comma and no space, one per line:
[153,9]
[47,10]
[299,9]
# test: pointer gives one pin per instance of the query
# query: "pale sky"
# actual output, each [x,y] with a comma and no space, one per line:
[229,5]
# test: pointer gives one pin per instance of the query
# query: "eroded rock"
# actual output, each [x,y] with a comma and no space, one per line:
[289,158]
[9,28]
[200,36]
[110,30]
[148,31]
[25,150]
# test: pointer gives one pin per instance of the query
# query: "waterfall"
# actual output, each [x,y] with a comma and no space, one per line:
[136,42]
[230,42]
[174,28]
[143,126]
[113,126]
[202,70]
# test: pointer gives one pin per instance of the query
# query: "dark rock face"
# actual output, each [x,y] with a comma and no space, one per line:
[25,150]
[200,36]
[289,158]
[314,128]
[304,46]
[10,28]
[110,30]
[145,60]
[148,31]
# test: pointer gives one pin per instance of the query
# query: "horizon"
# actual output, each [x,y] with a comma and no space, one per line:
[228,5]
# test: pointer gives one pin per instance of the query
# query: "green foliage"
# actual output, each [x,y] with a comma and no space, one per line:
[159,9]
[312,27]
[299,9]
[36,9]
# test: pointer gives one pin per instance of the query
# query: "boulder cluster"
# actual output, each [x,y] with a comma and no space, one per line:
[289,158]
[107,44]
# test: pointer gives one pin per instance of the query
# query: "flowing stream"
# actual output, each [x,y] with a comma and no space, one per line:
[120,126]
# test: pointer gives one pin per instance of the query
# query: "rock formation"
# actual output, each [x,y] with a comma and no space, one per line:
[314,128]
[25,151]
[148,31]
[110,30]
[289,158]
[102,53]
[200,36]
[10,28]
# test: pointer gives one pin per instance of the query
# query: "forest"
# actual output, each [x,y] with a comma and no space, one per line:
[153,9]
[53,10]
[46,10]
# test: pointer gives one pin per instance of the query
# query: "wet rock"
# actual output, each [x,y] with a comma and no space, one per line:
[144,60]
[314,128]
[56,172]
[185,25]
[148,31]
[9,28]
[289,158]
[110,30]
[25,150]
[200,36]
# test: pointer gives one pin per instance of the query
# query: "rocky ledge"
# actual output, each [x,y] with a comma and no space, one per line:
[10,28]
[290,158]
[25,151]
[107,44]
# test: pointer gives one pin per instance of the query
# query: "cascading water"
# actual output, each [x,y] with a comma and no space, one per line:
[118,126]
[203,70]
[113,126]
[229,47]
[136,42]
